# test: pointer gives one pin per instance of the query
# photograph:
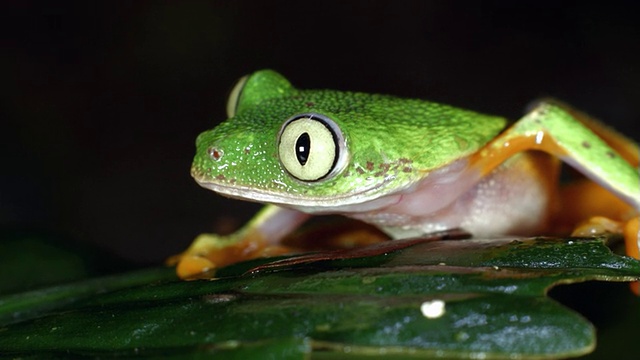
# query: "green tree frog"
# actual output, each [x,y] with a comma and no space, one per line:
[409,167]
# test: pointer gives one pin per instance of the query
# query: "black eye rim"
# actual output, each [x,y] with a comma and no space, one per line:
[339,140]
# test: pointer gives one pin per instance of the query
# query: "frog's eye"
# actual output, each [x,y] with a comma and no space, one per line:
[311,147]
[234,96]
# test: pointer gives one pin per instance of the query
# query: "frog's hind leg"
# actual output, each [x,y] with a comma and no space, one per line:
[600,207]
[602,155]
[601,204]
[625,147]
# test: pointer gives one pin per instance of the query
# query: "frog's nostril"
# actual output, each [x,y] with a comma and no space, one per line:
[215,153]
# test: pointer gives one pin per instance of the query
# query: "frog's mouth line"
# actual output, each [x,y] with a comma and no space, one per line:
[436,189]
[365,199]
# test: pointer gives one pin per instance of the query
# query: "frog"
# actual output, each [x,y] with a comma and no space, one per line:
[407,166]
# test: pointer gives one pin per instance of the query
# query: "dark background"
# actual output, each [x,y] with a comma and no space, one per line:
[102,101]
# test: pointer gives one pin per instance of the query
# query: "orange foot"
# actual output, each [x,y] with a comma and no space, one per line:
[209,253]
[630,230]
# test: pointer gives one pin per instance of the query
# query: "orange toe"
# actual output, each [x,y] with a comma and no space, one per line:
[193,267]
[632,237]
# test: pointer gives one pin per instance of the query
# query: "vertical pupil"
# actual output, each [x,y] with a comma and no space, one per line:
[303,144]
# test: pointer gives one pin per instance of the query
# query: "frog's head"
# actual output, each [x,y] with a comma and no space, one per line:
[321,150]
[291,147]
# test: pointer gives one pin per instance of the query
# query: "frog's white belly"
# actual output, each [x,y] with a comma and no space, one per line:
[515,198]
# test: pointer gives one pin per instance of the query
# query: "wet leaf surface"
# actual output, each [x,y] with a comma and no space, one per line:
[411,299]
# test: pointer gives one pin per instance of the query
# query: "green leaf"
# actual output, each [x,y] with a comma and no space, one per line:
[358,303]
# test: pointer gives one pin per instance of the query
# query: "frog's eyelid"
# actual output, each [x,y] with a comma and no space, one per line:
[233,100]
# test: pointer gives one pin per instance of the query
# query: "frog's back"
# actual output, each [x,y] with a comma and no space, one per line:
[428,134]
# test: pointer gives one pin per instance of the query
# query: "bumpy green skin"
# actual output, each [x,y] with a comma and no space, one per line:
[581,148]
[392,142]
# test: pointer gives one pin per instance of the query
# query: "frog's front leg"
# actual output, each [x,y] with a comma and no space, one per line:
[563,132]
[259,237]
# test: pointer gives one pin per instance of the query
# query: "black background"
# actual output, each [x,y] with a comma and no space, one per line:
[102,101]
